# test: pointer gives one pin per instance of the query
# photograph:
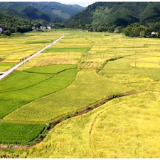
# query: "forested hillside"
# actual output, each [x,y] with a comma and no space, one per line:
[107,14]
[11,24]
[62,11]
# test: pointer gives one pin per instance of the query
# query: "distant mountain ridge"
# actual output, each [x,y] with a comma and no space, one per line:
[116,13]
[48,11]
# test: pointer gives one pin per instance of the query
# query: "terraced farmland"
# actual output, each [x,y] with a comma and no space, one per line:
[79,73]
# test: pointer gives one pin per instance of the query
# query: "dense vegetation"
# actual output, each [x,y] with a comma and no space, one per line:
[12,25]
[138,30]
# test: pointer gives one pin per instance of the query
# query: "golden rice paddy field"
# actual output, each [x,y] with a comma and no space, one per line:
[80,72]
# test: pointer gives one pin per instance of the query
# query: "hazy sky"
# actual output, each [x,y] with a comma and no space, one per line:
[81,3]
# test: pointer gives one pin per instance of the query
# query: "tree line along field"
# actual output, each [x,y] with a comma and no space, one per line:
[79,71]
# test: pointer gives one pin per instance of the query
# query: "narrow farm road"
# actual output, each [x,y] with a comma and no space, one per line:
[29,58]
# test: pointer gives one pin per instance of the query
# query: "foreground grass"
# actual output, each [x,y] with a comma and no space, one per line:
[12,153]
[123,128]
[19,133]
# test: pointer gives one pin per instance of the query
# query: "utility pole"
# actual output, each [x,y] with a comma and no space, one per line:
[38,51]
[135,58]
[24,63]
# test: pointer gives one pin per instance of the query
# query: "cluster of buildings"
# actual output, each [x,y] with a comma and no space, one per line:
[42,27]
[33,28]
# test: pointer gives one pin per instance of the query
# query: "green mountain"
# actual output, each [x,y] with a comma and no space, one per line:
[48,11]
[116,13]
[63,11]
[21,10]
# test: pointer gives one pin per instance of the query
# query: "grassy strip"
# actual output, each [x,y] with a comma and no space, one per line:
[66,50]
[7,64]
[11,153]
[50,69]
[41,41]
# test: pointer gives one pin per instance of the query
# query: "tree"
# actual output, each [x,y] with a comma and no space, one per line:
[158,34]
[148,32]
[88,27]
[111,29]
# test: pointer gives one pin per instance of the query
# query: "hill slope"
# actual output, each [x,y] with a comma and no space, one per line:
[116,13]
[49,11]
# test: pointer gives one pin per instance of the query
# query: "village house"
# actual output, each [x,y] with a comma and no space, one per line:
[115,31]
[49,27]
[153,33]
[1,30]
[42,27]
[33,28]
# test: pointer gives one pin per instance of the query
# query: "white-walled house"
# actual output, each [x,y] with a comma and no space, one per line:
[49,27]
[42,27]
[153,33]
[1,30]
[33,28]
